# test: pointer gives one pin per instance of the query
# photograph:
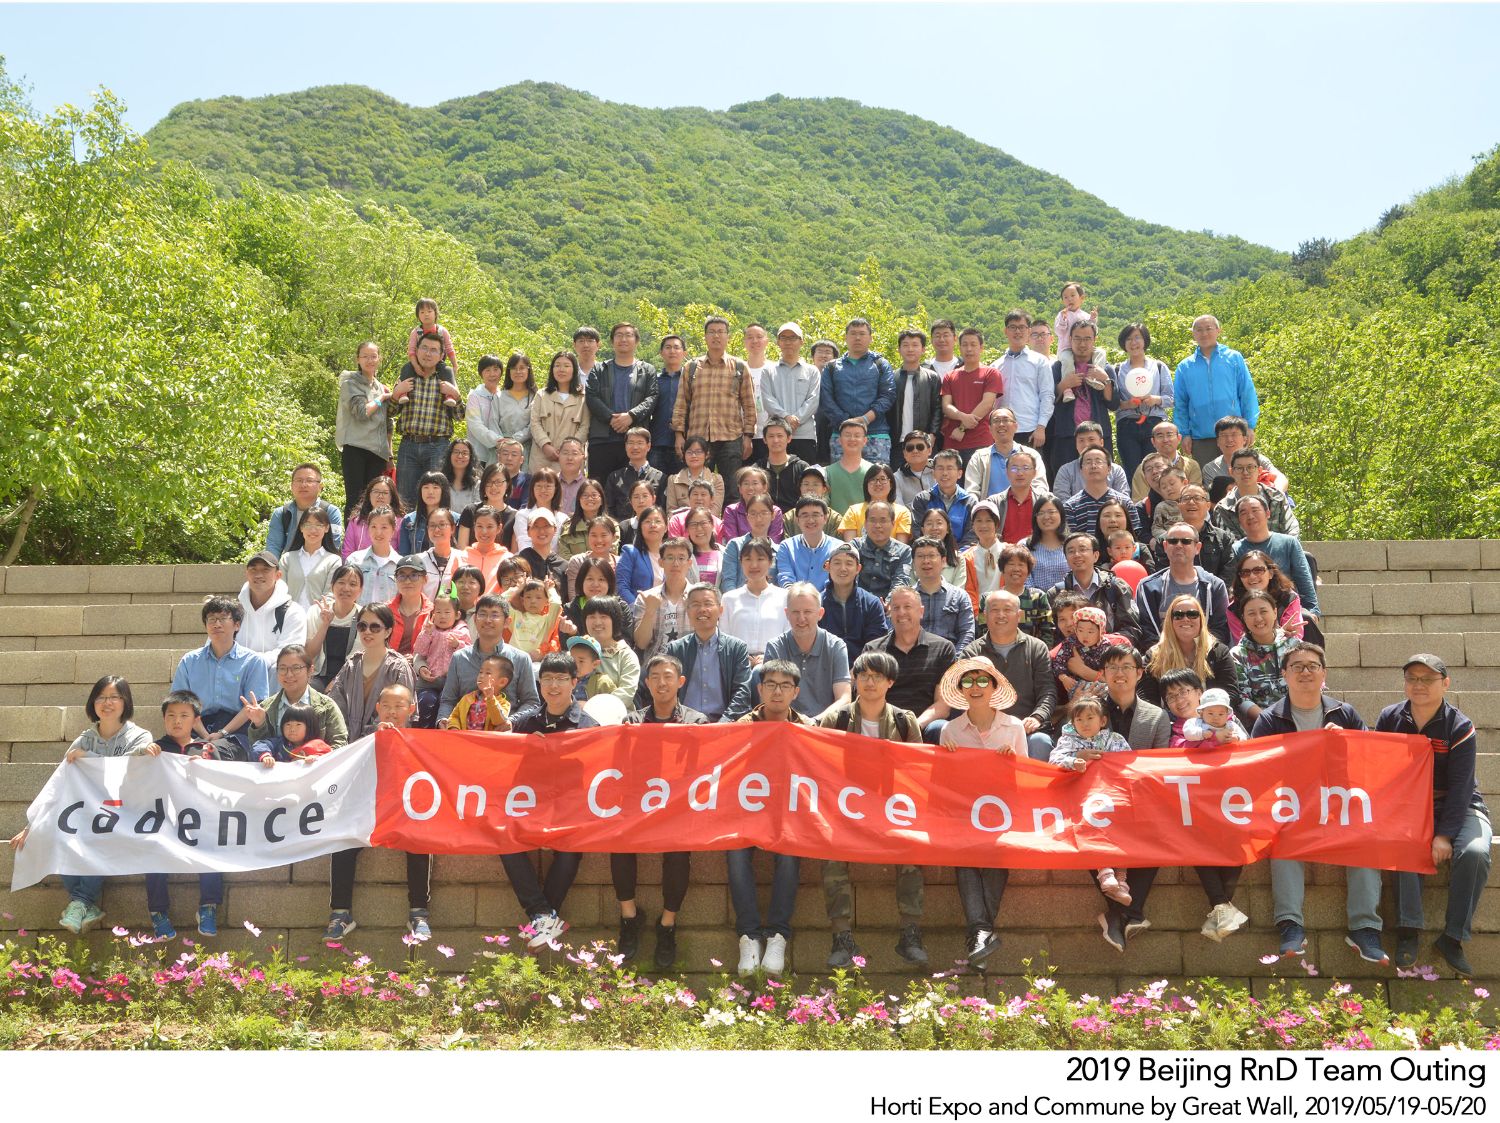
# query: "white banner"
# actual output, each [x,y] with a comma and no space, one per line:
[175,814]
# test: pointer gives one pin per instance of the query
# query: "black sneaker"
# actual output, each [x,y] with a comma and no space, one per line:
[909,946]
[666,946]
[844,950]
[983,943]
[629,943]
[1112,924]
[1366,941]
[1453,952]
[1293,938]
[1408,943]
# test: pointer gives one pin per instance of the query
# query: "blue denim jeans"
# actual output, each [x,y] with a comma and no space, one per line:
[413,460]
[1361,889]
[1133,443]
[1038,746]
[158,897]
[742,894]
[1470,869]
[85,888]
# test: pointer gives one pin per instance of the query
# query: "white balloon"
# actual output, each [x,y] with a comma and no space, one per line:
[606,709]
[1138,382]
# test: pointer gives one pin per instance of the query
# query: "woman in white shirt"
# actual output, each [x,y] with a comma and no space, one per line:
[755,611]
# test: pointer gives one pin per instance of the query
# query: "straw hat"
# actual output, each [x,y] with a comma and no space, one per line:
[1003,697]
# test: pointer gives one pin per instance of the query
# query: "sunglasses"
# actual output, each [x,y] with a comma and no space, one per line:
[914,448]
[1254,569]
[1186,614]
[370,626]
[1181,541]
[968,682]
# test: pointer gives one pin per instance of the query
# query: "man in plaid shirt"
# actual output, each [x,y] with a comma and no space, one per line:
[424,405]
[717,402]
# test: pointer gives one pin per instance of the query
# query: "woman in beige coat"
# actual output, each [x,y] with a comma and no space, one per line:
[558,412]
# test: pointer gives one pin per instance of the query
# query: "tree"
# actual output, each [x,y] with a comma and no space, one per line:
[136,420]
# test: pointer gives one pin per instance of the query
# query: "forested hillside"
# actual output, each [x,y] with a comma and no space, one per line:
[583,207]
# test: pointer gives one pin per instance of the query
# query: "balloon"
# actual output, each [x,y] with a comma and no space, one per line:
[1129,571]
[606,709]
[1138,382]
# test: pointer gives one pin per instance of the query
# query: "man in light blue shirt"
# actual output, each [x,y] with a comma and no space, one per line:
[224,675]
[1028,382]
[802,557]
[946,609]
[1211,383]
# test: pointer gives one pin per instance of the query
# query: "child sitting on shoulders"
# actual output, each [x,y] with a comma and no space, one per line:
[444,633]
[427,323]
[1215,721]
[1087,732]
[588,657]
[533,622]
[298,738]
[486,708]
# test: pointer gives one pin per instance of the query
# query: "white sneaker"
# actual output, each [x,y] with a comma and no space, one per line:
[545,929]
[749,955]
[1211,929]
[1231,919]
[774,961]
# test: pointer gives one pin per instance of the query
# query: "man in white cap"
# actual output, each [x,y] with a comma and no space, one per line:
[542,555]
[789,390]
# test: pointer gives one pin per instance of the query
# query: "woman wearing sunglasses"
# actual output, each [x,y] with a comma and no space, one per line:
[1187,642]
[1255,571]
[370,670]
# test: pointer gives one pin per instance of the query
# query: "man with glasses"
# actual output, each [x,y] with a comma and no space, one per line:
[915,477]
[1098,587]
[1144,726]
[1215,545]
[222,673]
[921,658]
[716,666]
[1028,382]
[1244,467]
[1305,708]
[1460,821]
[463,671]
[717,402]
[763,946]
[292,670]
[986,472]
[1182,577]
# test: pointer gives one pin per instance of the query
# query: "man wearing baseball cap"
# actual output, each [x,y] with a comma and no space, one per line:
[790,391]
[1460,821]
[272,619]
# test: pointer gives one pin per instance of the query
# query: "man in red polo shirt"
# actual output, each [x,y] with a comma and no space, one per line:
[969,392]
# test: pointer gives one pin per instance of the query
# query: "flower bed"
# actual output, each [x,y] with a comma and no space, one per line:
[151,994]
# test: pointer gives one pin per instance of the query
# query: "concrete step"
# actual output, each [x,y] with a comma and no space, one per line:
[1481,706]
[1438,598]
[1346,559]
[84,668]
[1378,678]
[107,620]
[49,581]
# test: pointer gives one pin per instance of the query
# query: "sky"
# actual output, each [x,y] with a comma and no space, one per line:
[1278,123]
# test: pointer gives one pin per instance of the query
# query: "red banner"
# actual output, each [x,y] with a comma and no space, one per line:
[1361,799]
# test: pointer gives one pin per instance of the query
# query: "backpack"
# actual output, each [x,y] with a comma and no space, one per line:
[846,721]
[740,370]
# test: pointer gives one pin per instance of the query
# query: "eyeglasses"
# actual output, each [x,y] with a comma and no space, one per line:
[288,668]
[370,626]
[1181,541]
[772,684]
[1251,570]
[408,575]
[1186,614]
[108,698]
[1423,680]
[1303,668]
[968,682]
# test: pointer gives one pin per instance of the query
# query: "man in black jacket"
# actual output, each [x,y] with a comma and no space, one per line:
[919,400]
[620,396]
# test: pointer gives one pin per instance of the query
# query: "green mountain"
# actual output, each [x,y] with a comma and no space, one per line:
[583,207]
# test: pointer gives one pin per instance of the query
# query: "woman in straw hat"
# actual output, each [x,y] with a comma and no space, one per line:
[975,687]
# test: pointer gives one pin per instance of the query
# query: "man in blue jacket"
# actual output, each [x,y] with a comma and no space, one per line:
[859,384]
[1211,383]
[284,533]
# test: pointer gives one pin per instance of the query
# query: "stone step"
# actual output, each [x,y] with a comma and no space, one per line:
[52,580]
[1351,557]
[1481,706]
[1377,678]
[84,668]
[1440,598]
[106,620]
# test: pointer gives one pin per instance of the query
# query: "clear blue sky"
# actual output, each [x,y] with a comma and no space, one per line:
[1275,122]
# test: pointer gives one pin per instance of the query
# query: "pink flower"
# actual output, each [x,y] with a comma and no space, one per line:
[716,963]
[335,945]
[302,959]
[859,961]
[502,940]
[445,951]
[6,916]
[252,929]
[1480,992]
[120,930]
[1269,959]
[1309,968]
[186,942]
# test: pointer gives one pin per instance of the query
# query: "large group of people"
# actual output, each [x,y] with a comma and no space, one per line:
[1038,554]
